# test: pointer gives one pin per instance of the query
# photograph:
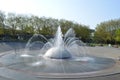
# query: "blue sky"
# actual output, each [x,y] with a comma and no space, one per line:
[88,12]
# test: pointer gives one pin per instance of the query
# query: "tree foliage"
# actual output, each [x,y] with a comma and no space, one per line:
[2,19]
[16,24]
[106,31]
[117,35]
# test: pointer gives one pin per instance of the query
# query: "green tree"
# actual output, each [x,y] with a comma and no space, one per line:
[83,32]
[65,25]
[2,25]
[11,22]
[105,31]
[101,35]
[117,33]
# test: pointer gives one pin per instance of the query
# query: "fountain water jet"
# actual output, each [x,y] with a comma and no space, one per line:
[58,51]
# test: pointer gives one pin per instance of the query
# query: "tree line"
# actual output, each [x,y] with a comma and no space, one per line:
[20,26]
[108,32]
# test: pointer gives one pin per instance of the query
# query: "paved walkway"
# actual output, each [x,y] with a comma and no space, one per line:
[109,52]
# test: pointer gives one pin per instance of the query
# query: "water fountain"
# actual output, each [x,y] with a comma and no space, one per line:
[62,57]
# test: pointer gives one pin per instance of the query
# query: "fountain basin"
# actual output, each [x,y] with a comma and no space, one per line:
[14,67]
[39,64]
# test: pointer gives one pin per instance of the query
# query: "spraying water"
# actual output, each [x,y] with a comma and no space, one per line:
[58,51]
[58,38]
[57,47]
